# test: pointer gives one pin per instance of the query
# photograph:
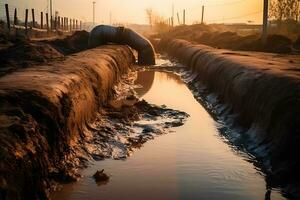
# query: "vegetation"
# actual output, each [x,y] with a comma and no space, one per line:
[288,10]
[156,21]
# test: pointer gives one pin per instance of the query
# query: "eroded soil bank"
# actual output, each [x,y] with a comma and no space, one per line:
[197,160]
[260,93]
[59,114]
[44,112]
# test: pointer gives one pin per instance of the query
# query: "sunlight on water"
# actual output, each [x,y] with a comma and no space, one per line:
[191,163]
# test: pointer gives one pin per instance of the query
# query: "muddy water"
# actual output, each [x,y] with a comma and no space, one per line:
[193,162]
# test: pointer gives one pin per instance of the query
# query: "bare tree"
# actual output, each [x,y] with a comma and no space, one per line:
[150,14]
[285,10]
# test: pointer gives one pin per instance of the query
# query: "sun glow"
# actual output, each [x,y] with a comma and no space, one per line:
[133,11]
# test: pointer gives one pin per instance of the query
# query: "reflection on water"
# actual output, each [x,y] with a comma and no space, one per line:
[144,80]
[191,163]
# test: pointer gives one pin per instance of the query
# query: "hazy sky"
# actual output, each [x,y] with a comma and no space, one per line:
[133,11]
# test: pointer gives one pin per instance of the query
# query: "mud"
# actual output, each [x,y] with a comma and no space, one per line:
[259,94]
[221,37]
[44,112]
[19,52]
[71,44]
[117,132]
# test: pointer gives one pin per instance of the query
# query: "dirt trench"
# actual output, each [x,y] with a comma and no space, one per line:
[261,91]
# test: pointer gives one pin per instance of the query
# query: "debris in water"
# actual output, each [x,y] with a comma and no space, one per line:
[100,176]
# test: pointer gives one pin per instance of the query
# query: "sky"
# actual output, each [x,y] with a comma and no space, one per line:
[133,11]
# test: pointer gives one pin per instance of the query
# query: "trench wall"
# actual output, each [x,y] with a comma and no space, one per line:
[262,92]
[44,111]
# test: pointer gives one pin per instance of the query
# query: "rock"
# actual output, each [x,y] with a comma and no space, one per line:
[131,98]
[100,176]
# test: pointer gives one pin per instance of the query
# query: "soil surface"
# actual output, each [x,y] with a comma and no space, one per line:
[221,38]
[20,52]
[60,110]
[245,81]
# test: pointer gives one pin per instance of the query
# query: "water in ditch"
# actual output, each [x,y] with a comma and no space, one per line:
[193,162]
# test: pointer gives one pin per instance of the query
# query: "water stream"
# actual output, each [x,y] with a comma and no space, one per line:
[193,162]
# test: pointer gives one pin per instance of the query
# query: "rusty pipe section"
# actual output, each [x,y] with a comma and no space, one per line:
[104,34]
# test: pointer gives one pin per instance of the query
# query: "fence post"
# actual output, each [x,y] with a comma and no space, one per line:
[184,17]
[58,22]
[63,23]
[51,23]
[70,25]
[265,21]
[202,17]
[42,20]
[178,18]
[7,16]
[33,18]
[47,22]
[76,24]
[67,27]
[55,23]
[80,25]
[15,18]
[26,21]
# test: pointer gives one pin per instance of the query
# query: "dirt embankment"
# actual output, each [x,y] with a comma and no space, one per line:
[20,53]
[262,91]
[219,37]
[44,112]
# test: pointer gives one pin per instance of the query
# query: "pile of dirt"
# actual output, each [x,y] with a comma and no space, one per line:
[24,54]
[19,52]
[72,44]
[242,84]
[297,44]
[211,36]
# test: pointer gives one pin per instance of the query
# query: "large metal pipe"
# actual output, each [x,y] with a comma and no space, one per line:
[104,34]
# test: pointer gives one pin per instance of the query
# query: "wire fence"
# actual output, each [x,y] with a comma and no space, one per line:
[216,12]
[16,17]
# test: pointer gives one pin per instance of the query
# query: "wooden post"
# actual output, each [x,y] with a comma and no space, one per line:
[178,19]
[184,17]
[172,21]
[58,23]
[62,23]
[7,16]
[67,27]
[47,21]
[51,23]
[42,20]
[70,26]
[76,24]
[15,18]
[202,18]
[26,21]
[265,21]
[80,25]
[66,24]
[33,18]
[55,23]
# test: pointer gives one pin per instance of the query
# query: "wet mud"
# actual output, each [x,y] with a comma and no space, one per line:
[44,112]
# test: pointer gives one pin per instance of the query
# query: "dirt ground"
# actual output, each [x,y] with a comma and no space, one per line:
[219,37]
[60,110]
[19,53]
